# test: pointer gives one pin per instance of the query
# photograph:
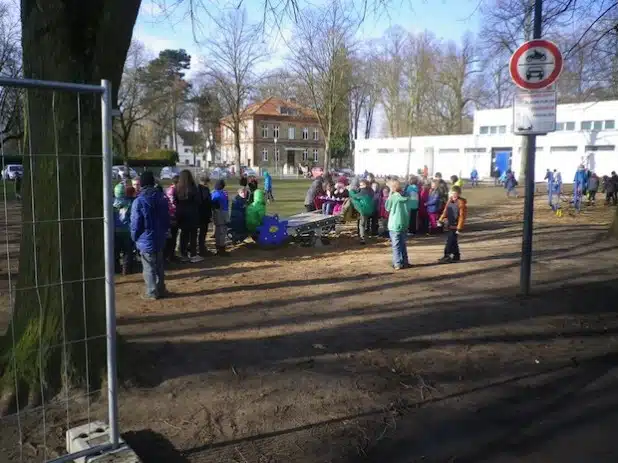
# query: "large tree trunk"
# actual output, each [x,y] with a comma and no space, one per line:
[69,42]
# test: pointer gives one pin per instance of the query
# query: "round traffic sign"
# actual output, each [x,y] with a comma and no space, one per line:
[536,64]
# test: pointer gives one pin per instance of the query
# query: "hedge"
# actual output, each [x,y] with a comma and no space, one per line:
[156,158]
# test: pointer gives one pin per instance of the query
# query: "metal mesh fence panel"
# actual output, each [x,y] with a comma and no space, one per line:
[57,312]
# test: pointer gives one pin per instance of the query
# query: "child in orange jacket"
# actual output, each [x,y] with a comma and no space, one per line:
[454,213]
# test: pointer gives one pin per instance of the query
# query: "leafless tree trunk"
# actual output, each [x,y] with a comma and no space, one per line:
[233,55]
[320,57]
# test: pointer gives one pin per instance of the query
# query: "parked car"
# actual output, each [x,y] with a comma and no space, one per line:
[220,173]
[11,171]
[343,173]
[168,172]
[249,172]
[118,170]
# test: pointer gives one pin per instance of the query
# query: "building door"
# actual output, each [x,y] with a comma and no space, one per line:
[291,158]
[501,159]
[428,160]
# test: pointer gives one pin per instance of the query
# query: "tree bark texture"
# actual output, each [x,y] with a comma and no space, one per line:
[78,42]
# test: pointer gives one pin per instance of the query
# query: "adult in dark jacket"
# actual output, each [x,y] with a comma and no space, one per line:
[608,188]
[614,180]
[205,214]
[496,174]
[238,222]
[187,196]
[150,223]
[313,192]
[252,184]
[593,187]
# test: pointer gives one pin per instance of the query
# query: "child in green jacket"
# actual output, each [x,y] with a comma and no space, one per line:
[398,207]
[364,205]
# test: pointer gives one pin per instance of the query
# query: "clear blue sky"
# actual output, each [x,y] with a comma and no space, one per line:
[447,19]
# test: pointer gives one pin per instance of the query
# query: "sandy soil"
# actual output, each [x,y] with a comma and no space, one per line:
[327,355]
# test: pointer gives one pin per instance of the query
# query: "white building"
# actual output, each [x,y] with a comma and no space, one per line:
[586,133]
[190,148]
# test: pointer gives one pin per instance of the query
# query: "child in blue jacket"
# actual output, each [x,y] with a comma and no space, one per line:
[220,215]
[434,207]
[268,188]
[580,185]
[123,244]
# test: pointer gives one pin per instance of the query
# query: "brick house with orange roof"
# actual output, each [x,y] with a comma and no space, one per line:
[276,135]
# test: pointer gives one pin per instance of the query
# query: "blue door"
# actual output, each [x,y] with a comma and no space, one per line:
[502,161]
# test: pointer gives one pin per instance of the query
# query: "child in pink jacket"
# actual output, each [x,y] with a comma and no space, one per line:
[423,215]
[383,213]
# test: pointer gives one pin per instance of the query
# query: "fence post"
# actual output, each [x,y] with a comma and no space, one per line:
[110,296]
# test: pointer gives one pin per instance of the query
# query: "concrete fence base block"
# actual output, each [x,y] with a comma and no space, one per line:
[95,434]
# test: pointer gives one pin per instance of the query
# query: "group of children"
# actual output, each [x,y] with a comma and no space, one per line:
[403,211]
[149,221]
[395,210]
[586,185]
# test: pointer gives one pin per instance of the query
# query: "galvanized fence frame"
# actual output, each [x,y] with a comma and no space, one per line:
[104,90]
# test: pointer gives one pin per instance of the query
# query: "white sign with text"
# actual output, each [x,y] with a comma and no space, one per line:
[534,112]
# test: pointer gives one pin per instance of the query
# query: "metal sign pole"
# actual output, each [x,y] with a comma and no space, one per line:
[526,245]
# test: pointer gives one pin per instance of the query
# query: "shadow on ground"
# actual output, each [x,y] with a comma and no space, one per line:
[152,447]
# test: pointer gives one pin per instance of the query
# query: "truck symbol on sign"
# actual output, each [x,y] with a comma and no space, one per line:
[536,56]
[535,72]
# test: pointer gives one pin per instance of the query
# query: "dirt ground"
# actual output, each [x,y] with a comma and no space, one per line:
[326,355]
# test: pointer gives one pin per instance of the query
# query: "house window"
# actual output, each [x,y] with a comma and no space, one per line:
[570,126]
[186,162]
[563,148]
[484,130]
[559,126]
[502,129]
[275,131]
[315,155]
[265,155]
[493,130]
[316,133]
[305,155]
[586,125]
[597,125]
[186,150]
[385,150]
[475,150]
[600,148]
[306,133]
[165,147]
[448,150]
[291,132]
[277,154]
[287,111]
[264,130]
[610,125]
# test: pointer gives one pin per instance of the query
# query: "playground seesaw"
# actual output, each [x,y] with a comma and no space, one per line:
[306,228]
